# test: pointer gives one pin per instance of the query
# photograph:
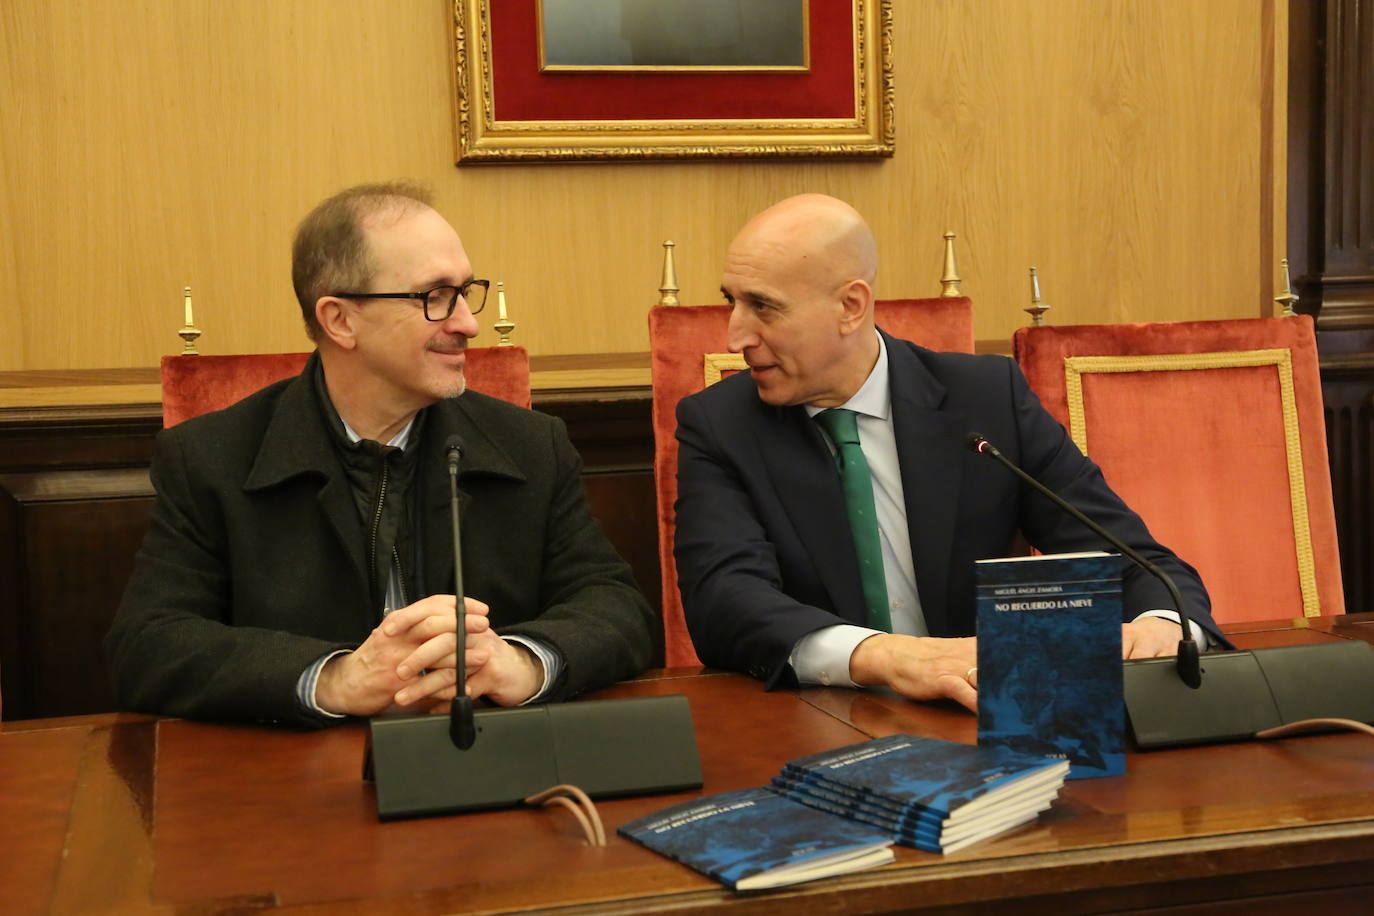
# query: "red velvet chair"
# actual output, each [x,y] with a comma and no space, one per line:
[1213,431]
[688,352]
[193,385]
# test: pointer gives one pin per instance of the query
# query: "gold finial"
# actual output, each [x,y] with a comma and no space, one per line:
[190,332]
[1037,308]
[503,325]
[668,288]
[1288,299]
[949,283]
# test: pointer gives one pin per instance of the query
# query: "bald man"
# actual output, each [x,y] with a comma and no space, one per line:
[767,562]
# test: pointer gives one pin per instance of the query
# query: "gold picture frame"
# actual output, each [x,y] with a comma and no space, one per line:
[495,46]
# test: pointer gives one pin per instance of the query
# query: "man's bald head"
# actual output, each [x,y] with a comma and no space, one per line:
[820,238]
[799,277]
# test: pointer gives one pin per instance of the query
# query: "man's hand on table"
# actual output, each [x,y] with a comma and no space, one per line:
[919,667]
[1150,637]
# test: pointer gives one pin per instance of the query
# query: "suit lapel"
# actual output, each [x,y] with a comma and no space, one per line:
[930,452]
[808,487]
[297,443]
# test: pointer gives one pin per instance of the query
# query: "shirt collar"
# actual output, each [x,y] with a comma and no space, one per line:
[397,441]
[874,398]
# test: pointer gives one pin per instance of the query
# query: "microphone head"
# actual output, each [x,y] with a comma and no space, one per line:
[976,442]
[453,446]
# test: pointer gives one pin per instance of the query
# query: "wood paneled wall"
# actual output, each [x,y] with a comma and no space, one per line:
[1331,225]
[1131,149]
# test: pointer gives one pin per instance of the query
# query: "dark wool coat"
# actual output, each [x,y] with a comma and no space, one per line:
[254,565]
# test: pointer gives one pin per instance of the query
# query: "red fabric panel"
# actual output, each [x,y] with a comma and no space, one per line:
[1200,453]
[193,385]
[500,372]
[678,338]
[522,93]
[937,324]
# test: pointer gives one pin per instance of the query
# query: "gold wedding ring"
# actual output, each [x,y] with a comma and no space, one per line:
[968,675]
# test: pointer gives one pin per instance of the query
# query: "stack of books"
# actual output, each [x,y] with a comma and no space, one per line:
[841,810]
[939,796]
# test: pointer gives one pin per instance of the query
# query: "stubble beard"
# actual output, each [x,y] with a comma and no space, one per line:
[454,387]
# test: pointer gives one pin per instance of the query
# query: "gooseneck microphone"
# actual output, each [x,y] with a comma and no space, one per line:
[1189,663]
[462,728]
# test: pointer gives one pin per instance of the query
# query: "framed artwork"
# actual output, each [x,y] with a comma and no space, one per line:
[596,80]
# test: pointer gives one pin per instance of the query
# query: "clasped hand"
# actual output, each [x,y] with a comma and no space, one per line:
[409,663]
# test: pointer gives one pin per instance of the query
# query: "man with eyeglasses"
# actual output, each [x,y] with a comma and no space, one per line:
[299,565]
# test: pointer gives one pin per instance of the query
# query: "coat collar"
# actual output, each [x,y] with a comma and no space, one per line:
[483,454]
[297,439]
[297,444]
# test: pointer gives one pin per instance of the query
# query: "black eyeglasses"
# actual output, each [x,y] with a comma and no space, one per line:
[439,302]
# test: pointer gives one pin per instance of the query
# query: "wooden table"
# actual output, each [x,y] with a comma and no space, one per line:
[128,814]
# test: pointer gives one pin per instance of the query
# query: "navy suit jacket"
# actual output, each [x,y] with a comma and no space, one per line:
[763,547]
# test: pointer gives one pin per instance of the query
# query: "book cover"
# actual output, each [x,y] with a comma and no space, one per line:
[1049,659]
[754,839]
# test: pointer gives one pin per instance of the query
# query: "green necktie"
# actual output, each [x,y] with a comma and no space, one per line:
[857,483]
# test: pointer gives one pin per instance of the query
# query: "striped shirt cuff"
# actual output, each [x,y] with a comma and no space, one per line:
[309,680]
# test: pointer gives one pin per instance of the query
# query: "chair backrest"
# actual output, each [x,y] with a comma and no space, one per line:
[193,385]
[1213,431]
[688,352]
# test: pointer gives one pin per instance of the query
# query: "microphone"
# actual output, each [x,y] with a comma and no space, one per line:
[462,728]
[1189,664]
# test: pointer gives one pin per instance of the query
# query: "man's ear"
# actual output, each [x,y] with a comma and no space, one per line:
[336,318]
[856,303]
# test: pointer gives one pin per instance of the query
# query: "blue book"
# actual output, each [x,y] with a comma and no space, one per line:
[754,839]
[943,839]
[949,779]
[1049,659]
[925,827]
[935,795]
[822,798]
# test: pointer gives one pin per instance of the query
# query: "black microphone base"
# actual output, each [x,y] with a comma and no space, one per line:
[1246,692]
[607,748]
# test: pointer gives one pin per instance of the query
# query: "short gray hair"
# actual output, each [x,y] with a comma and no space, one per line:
[330,255]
